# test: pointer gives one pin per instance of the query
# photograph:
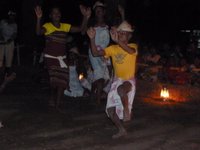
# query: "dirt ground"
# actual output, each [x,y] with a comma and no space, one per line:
[29,124]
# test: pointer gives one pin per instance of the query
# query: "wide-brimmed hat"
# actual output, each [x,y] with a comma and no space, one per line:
[125,26]
[98,4]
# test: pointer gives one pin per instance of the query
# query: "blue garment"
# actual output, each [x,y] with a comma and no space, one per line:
[99,64]
[76,89]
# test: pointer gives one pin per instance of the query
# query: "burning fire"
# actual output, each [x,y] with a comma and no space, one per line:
[81,76]
[164,93]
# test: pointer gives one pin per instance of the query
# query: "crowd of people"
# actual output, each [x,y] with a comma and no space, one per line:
[176,64]
[109,70]
[109,67]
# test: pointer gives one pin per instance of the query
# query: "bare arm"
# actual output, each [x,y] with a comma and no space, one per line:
[127,48]
[82,28]
[39,29]
[86,12]
[117,39]
[91,33]
[122,12]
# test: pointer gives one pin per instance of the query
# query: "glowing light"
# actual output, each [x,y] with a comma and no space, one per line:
[81,76]
[164,93]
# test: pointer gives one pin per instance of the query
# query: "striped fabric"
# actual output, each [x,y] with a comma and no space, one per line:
[56,47]
[59,77]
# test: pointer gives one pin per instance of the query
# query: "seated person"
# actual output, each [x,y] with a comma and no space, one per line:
[153,57]
[75,88]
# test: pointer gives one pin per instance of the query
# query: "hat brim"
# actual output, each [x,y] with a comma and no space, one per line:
[124,30]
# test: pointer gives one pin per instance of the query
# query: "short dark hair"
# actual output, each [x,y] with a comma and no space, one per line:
[54,7]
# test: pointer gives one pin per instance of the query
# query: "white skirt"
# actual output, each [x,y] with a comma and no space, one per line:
[114,99]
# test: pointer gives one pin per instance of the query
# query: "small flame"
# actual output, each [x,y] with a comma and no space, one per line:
[164,93]
[81,76]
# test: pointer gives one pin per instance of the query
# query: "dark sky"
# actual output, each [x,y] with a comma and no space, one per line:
[161,17]
[177,13]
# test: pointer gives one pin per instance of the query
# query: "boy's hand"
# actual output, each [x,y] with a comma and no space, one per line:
[91,33]
[85,11]
[38,12]
[114,34]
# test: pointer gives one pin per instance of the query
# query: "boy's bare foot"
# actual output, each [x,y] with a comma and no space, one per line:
[121,133]
[127,115]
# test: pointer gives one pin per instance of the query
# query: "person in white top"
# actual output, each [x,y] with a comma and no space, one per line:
[102,68]
[8,33]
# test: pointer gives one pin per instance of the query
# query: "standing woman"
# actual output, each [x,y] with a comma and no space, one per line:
[101,66]
[102,39]
[55,49]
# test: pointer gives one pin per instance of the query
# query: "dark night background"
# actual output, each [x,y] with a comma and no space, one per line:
[155,20]
[29,123]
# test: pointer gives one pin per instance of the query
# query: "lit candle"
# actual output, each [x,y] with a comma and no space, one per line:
[164,93]
[84,82]
[81,76]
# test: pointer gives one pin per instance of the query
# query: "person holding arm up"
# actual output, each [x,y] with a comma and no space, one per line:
[122,92]
[55,59]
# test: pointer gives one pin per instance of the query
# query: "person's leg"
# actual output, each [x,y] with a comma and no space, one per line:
[123,93]
[115,119]
[97,88]
[2,75]
[9,52]
[60,94]
[1,63]
[52,100]
[2,50]
[100,85]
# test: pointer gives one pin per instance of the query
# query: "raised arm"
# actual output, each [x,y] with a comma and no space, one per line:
[121,12]
[117,38]
[39,13]
[127,48]
[91,33]
[86,12]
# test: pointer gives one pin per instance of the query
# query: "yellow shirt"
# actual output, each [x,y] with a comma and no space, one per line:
[50,28]
[124,63]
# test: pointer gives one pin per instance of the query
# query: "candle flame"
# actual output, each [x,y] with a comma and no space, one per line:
[81,76]
[164,93]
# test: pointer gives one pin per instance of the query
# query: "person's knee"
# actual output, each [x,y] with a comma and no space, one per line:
[127,86]
[120,90]
[124,89]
